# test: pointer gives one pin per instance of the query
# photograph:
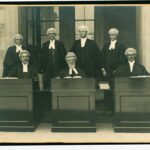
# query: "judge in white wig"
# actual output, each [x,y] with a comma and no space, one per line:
[24,69]
[11,58]
[112,54]
[52,56]
[72,70]
[132,67]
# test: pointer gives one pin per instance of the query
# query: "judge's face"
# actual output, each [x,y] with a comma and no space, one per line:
[52,35]
[24,58]
[71,62]
[113,37]
[18,41]
[131,56]
[83,33]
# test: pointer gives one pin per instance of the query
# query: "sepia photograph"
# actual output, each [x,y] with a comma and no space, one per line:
[74,73]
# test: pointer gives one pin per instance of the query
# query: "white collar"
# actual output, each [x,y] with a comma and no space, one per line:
[25,64]
[18,45]
[52,41]
[84,38]
[131,62]
[114,41]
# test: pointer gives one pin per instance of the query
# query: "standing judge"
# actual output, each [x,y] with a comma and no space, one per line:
[24,69]
[87,52]
[11,58]
[52,56]
[72,71]
[112,55]
[131,68]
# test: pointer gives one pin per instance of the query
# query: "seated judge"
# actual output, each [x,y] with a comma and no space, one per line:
[24,69]
[72,71]
[131,68]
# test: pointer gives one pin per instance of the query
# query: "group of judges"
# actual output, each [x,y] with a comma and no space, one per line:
[83,60]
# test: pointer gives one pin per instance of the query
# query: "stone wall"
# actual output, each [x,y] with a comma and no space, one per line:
[144,35]
[8,28]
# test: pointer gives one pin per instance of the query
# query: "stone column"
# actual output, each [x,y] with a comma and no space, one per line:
[8,28]
[143,33]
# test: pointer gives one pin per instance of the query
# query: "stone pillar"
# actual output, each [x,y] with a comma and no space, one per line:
[8,28]
[143,33]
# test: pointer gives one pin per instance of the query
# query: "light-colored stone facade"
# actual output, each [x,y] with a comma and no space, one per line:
[144,35]
[8,28]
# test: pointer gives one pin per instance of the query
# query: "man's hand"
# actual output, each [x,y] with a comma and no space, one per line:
[104,72]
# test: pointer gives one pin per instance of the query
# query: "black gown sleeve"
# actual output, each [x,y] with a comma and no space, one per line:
[13,72]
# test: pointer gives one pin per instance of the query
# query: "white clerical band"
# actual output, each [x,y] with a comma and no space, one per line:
[83,41]
[25,67]
[52,44]
[18,49]
[112,45]
[71,70]
[131,65]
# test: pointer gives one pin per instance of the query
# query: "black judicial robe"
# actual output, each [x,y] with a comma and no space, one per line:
[88,57]
[124,70]
[111,59]
[52,61]
[65,72]
[11,60]
[17,71]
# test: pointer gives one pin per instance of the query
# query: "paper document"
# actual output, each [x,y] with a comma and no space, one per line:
[104,86]
[8,78]
[134,77]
